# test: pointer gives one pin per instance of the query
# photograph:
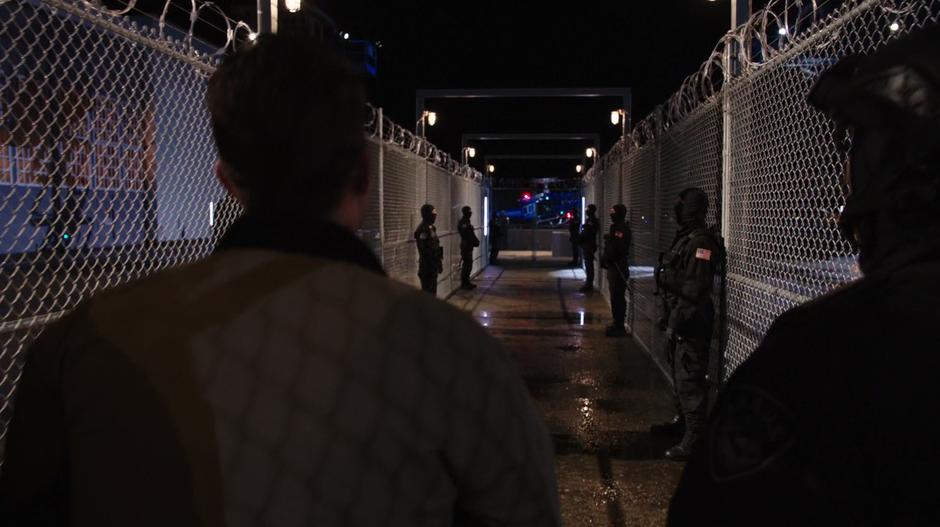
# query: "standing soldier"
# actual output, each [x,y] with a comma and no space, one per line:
[588,242]
[615,260]
[574,227]
[832,420]
[497,231]
[430,253]
[685,277]
[468,241]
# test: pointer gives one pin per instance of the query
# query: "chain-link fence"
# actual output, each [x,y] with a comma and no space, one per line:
[408,172]
[106,167]
[740,129]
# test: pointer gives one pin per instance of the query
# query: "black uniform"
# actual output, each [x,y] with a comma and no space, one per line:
[588,242]
[833,419]
[685,278]
[615,260]
[468,241]
[574,227]
[430,253]
[496,238]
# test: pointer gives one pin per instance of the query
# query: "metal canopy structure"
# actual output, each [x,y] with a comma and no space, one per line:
[624,94]
[594,138]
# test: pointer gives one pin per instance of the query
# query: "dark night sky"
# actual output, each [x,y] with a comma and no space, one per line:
[649,46]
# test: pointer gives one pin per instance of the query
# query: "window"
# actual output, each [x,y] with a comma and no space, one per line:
[6,164]
[134,169]
[107,167]
[30,169]
[124,152]
[79,165]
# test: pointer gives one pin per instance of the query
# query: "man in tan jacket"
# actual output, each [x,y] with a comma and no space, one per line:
[285,380]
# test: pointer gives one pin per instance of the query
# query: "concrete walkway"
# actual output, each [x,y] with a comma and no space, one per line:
[598,396]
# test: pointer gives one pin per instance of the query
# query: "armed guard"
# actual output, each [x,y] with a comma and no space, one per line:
[588,242]
[468,242]
[615,260]
[832,420]
[430,252]
[574,228]
[498,229]
[685,280]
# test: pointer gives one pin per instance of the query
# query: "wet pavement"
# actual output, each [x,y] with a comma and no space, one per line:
[598,396]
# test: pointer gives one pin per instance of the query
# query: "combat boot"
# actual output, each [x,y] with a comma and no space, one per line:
[675,427]
[615,331]
[681,451]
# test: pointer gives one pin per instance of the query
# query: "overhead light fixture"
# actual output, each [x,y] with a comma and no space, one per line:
[579,169]
[782,31]
[491,168]
[894,27]
[252,36]
[589,153]
[345,36]
[615,117]
[292,5]
[472,152]
[432,118]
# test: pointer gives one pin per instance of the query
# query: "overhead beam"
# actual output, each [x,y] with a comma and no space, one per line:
[624,94]
[594,138]
[534,156]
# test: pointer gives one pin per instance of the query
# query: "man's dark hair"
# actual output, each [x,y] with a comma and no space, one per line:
[288,116]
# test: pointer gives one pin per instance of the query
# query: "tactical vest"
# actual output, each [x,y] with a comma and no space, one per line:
[670,273]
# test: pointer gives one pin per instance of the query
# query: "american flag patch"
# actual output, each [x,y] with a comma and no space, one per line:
[703,254]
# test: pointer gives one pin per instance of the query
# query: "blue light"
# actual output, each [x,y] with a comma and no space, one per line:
[66,236]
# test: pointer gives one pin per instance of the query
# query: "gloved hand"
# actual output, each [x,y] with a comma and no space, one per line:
[670,334]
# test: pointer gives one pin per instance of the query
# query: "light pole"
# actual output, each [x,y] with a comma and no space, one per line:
[427,118]
[592,154]
[468,153]
[740,12]
[620,117]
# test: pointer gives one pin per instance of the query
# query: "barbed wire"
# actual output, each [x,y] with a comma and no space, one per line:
[768,35]
[393,133]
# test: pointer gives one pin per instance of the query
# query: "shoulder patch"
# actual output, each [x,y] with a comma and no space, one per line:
[752,430]
[703,254]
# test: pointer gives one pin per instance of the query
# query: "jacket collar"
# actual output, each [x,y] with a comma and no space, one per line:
[317,238]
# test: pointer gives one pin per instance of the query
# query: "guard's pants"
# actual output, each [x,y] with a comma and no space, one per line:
[574,252]
[589,268]
[467,261]
[688,358]
[428,281]
[617,285]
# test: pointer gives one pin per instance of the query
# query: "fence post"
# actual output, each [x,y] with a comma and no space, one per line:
[381,183]
[726,145]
